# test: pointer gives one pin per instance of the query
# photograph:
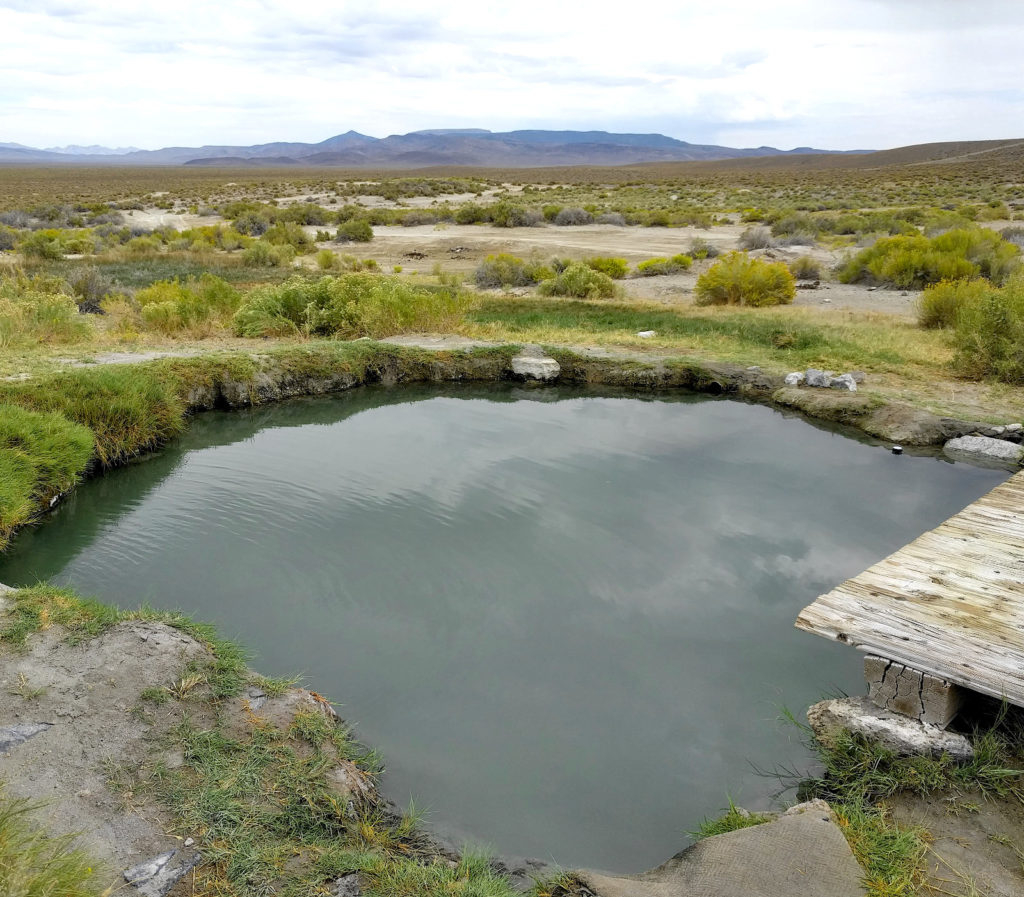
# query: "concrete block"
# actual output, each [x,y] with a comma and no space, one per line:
[901,689]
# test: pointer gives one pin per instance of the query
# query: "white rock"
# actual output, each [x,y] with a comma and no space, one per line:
[795,379]
[985,448]
[533,368]
[821,379]
[893,731]
[844,381]
[647,334]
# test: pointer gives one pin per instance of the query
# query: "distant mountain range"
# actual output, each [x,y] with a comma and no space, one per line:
[440,146]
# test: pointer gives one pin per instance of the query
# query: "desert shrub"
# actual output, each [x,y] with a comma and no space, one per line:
[702,249]
[326,260]
[550,211]
[288,233]
[508,214]
[470,213]
[90,287]
[916,261]
[756,238]
[252,224]
[38,310]
[940,303]
[263,255]
[418,217]
[196,305]
[615,218]
[580,282]
[569,217]
[793,223]
[45,245]
[137,247]
[675,265]
[615,268]
[305,213]
[989,335]
[504,270]
[737,279]
[350,305]
[8,238]
[806,268]
[355,230]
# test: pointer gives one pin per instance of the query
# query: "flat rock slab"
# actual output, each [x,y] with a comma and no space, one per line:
[533,364]
[985,450]
[156,877]
[893,731]
[801,854]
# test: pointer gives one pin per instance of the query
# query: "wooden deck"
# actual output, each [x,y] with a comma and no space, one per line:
[950,603]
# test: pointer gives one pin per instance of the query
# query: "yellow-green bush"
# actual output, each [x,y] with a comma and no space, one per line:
[916,261]
[989,335]
[355,230]
[580,282]
[675,265]
[350,305]
[505,270]
[940,303]
[263,255]
[737,279]
[615,268]
[197,305]
[38,310]
[805,268]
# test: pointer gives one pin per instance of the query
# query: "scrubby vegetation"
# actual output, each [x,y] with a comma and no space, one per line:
[674,265]
[989,334]
[349,306]
[737,279]
[615,268]
[38,309]
[505,270]
[916,261]
[580,281]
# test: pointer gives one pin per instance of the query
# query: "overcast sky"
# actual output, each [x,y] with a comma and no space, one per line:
[840,75]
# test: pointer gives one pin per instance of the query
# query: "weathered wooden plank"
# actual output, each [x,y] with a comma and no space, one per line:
[951,603]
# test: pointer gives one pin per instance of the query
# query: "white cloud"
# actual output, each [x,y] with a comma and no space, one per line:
[862,73]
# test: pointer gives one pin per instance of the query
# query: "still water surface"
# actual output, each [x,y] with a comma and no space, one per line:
[565,618]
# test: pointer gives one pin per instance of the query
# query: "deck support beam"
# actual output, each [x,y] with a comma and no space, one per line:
[901,689]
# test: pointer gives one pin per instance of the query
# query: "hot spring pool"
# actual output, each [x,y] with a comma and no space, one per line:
[564,617]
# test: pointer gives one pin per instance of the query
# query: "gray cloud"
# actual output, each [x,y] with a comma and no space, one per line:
[864,73]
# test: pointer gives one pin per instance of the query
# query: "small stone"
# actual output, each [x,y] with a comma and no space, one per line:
[256,698]
[844,381]
[897,449]
[12,736]
[647,334]
[156,877]
[348,886]
[820,379]
[754,367]
[893,731]
[1014,428]
[858,376]
[795,378]
[189,842]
